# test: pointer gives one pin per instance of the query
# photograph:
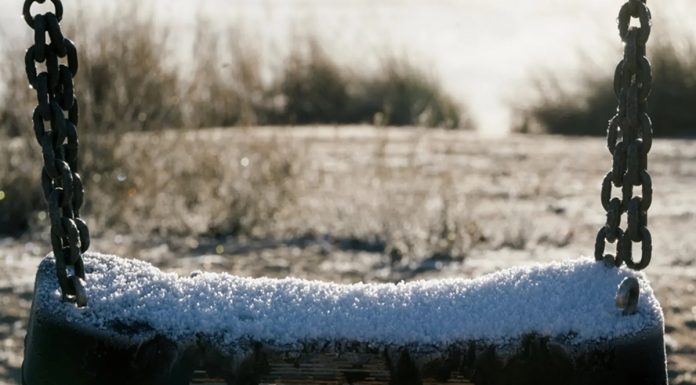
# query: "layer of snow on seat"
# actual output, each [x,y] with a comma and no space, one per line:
[573,298]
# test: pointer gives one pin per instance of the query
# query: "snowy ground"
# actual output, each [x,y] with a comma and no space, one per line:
[520,200]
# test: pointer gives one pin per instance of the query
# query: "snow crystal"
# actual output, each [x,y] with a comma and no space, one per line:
[572,298]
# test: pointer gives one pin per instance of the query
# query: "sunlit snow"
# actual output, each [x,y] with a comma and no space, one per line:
[573,298]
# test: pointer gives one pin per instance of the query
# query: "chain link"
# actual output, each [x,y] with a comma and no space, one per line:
[632,125]
[61,184]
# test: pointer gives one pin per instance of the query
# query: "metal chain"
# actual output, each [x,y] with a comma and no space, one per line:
[62,186]
[632,84]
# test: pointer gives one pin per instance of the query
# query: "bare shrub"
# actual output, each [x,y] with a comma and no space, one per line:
[403,94]
[193,184]
[559,109]
[17,99]
[20,194]
[124,83]
[264,181]
[313,88]
[226,88]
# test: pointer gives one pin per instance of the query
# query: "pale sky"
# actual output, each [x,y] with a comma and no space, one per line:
[482,50]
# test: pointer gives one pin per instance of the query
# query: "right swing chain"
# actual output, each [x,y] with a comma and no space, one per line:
[632,84]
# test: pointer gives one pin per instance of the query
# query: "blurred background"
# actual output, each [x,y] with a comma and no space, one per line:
[349,140]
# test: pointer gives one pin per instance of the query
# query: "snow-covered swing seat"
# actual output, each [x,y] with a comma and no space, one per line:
[545,324]
[555,323]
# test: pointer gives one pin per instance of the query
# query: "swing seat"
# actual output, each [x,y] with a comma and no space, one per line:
[543,324]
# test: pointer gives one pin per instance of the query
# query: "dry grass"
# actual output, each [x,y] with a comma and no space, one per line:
[238,183]
[226,87]
[170,183]
[133,77]
[561,109]
[20,193]
[260,185]
[123,83]
[385,194]
[402,94]
[126,84]
[310,87]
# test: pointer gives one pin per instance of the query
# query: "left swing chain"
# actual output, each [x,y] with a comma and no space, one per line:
[60,181]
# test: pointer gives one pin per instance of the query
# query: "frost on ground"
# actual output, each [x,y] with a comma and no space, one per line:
[377,205]
[571,299]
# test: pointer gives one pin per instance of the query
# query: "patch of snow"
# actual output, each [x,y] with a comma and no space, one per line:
[571,298]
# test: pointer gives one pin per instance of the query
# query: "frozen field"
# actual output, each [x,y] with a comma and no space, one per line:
[372,205]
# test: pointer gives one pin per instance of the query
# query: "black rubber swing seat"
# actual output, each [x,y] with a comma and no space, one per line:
[542,324]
